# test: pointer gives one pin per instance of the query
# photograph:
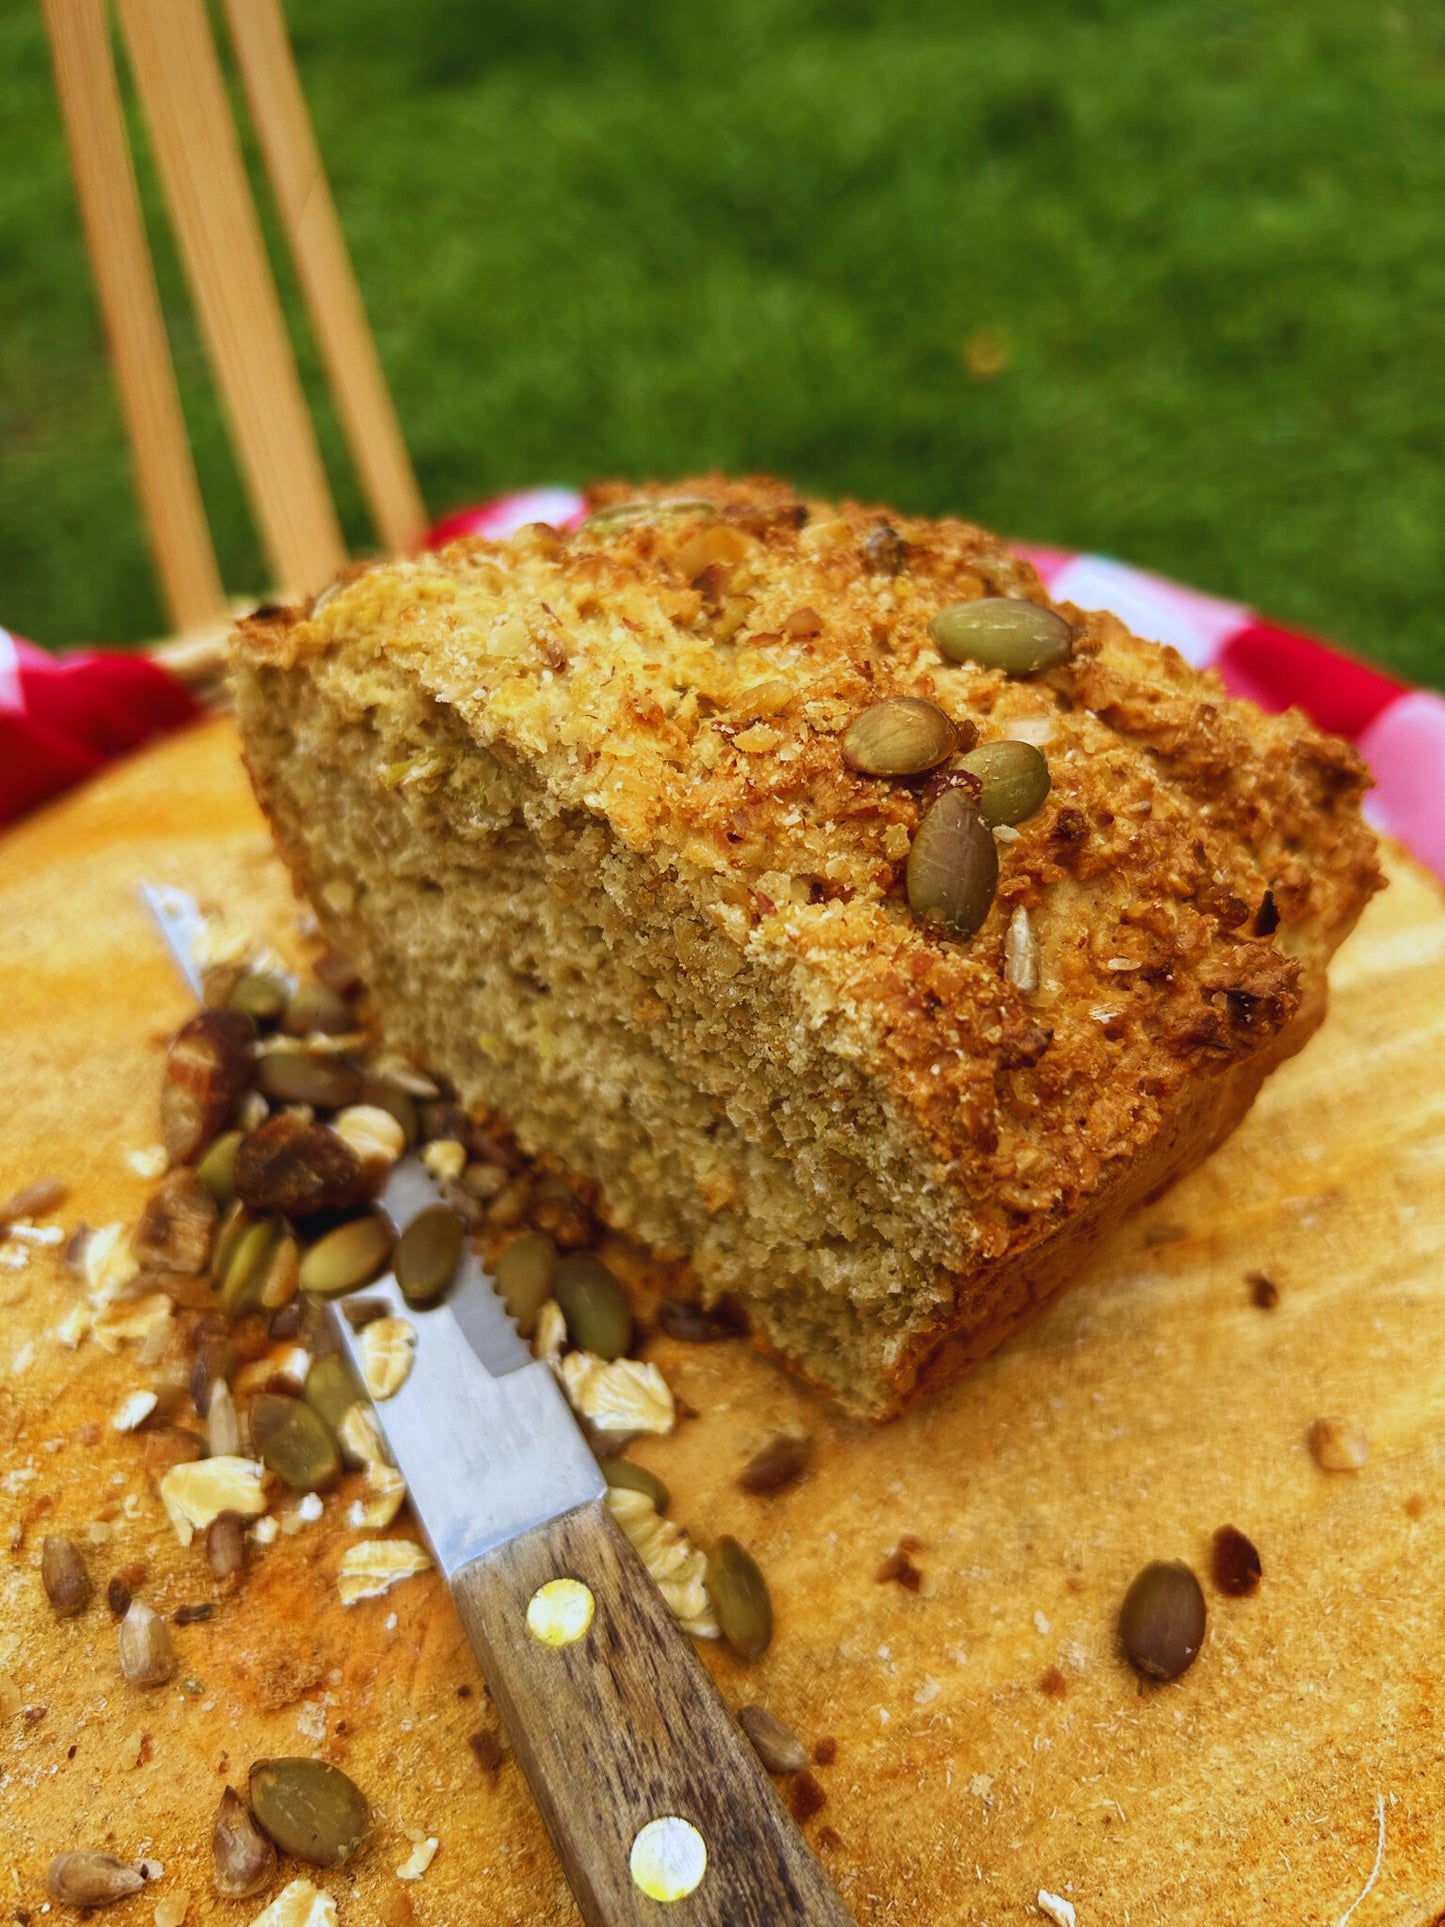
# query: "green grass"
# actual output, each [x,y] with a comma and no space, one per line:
[637,239]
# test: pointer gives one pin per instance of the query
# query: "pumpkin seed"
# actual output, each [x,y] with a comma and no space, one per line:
[315,1008]
[243,1860]
[1015,779]
[624,515]
[91,1879]
[282,1276]
[901,736]
[739,1596]
[310,1809]
[1002,632]
[216,1167]
[245,1273]
[952,867]
[524,1276]
[598,1320]
[65,1578]
[1161,1622]
[635,1478]
[147,1657]
[776,1745]
[428,1253]
[296,1077]
[295,1441]
[332,1387]
[349,1256]
[260,995]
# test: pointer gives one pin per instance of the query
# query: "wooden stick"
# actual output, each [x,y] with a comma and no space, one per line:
[179,79]
[318,247]
[145,378]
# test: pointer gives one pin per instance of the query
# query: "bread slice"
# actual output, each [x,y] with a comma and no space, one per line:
[578,807]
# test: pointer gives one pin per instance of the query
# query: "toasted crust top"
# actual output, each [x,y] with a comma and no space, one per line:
[688,676]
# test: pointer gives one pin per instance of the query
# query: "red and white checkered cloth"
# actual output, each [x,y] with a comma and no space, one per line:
[62,718]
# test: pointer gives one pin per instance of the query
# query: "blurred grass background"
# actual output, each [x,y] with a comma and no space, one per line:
[1163,278]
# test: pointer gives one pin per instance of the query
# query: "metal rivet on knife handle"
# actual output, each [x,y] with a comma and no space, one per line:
[559,1613]
[669,1858]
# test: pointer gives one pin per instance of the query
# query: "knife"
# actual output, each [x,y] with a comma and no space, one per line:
[656,1804]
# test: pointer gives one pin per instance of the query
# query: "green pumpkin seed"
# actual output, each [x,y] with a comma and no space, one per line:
[1015,779]
[597,1317]
[260,994]
[349,1256]
[952,867]
[636,1478]
[332,1388]
[295,1442]
[739,1596]
[624,515]
[428,1253]
[1161,1623]
[296,1077]
[524,1276]
[315,1008]
[216,1169]
[310,1809]
[1002,632]
[245,1275]
[901,736]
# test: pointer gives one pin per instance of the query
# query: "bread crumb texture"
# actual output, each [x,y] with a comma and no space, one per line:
[576,806]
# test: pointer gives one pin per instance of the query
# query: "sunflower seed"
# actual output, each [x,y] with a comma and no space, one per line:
[739,1596]
[901,736]
[36,1200]
[1002,632]
[776,1745]
[1161,1623]
[347,1257]
[226,1545]
[427,1254]
[243,1860]
[293,1439]
[623,1475]
[223,1427]
[176,1227]
[65,1578]
[1014,778]
[1021,953]
[598,1320]
[91,1879]
[952,867]
[524,1275]
[147,1657]
[310,1809]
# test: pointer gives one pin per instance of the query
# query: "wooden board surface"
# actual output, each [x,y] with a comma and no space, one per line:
[990,1741]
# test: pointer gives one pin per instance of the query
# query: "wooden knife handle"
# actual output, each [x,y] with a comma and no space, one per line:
[623,1727]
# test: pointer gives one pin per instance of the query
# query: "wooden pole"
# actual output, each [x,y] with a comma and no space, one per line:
[125,282]
[318,247]
[183,94]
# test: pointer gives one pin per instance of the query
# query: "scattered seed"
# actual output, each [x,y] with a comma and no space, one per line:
[290,1166]
[294,1440]
[243,1859]
[698,1324]
[780,1462]
[147,1657]
[776,1745]
[884,550]
[388,1346]
[1002,632]
[281,1276]
[247,1265]
[1235,1564]
[806,1797]
[223,1424]
[260,995]
[64,1576]
[625,515]
[524,1276]
[207,1069]
[36,1200]
[192,1615]
[1014,779]
[117,1597]
[1161,1622]
[1021,953]
[91,1879]
[332,1386]
[622,1474]
[216,1167]
[952,867]
[347,1257]
[1339,1444]
[825,1751]
[226,1545]
[314,1008]
[310,1809]
[176,1226]
[739,1596]
[901,736]
[296,1077]
[598,1320]
[427,1254]
[1263,1291]
[489,1751]
[361,1312]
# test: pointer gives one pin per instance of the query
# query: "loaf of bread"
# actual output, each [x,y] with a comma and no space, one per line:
[591,814]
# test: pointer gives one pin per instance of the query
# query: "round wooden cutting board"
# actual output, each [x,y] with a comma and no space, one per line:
[986,1740]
